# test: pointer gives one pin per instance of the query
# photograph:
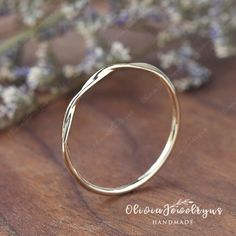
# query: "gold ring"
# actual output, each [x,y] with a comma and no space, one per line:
[101,74]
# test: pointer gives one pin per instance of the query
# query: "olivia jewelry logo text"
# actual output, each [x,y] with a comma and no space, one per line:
[180,208]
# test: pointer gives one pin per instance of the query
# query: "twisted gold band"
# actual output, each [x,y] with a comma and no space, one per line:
[101,74]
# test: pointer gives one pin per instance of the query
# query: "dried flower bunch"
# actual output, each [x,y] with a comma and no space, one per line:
[174,22]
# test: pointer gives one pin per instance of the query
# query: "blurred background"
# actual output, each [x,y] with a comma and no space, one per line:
[49,48]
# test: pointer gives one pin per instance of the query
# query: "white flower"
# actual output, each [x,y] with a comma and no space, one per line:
[11,94]
[39,76]
[98,52]
[31,11]
[89,27]
[70,71]
[15,95]
[70,10]
[168,59]
[14,99]
[139,9]
[222,48]
[118,53]
[11,110]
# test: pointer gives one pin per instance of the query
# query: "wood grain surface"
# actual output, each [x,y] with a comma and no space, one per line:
[119,129]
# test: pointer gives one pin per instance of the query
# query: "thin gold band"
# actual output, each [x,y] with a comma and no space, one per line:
[165,152]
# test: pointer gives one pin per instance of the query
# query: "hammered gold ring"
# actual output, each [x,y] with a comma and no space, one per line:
[101,74]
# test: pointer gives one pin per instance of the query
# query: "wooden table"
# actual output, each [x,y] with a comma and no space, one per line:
[118,130]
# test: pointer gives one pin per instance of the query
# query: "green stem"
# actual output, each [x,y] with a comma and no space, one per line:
[22,37]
